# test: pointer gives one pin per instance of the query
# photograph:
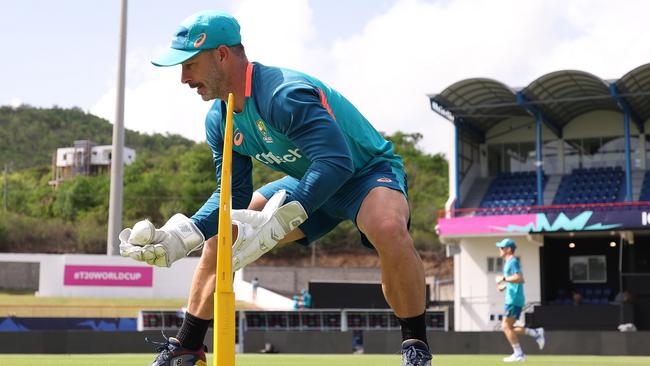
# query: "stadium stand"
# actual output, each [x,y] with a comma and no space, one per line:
[593,185]
[510,193]
[562,166]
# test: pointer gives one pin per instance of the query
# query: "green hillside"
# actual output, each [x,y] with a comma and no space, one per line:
[171,174]
[29,136]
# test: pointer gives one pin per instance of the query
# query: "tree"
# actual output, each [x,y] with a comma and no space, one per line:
[171,174]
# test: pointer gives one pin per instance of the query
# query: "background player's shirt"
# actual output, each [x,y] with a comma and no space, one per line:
[514,291]
[295,124]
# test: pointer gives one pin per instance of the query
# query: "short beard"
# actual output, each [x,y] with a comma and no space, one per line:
[215,84]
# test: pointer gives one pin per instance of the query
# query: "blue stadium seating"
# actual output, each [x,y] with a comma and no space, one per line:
[590,296]
[513,193]
[510,193]
[592,185]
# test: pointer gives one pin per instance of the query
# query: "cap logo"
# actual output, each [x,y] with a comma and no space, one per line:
[384,180]
[199,40]
[238,138]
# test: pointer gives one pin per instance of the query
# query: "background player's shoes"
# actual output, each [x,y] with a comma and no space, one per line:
[541,341]
[415,353]
[171,353]
[515,357]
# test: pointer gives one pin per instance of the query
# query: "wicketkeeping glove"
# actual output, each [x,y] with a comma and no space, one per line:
[260,231]
[161,247]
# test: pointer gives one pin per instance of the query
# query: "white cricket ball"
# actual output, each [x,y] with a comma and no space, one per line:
[142,233]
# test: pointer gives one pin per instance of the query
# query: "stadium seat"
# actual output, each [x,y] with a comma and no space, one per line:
[511,193]
[592,185]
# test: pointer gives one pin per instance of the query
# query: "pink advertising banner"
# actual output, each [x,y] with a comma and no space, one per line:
[472,225]
[125,276]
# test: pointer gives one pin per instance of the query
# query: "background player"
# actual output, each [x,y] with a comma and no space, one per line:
[512,282]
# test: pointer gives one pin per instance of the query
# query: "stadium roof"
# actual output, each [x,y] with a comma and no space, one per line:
[635,88]
[481,102]
[557,97]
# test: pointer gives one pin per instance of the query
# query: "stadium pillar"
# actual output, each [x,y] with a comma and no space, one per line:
[621,311]
[457,163]
[538,159]
[642,156]
[560,156]
[628,158]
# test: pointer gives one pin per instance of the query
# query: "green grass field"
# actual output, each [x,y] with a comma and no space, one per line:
[318,360]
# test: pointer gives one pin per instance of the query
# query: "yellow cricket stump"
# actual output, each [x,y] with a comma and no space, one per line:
[224,296]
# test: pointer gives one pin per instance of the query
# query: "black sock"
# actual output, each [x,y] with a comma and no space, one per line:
[192,331]
[414,328]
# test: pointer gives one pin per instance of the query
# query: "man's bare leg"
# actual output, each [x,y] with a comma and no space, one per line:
[383,218]
[507,325]
[201,298]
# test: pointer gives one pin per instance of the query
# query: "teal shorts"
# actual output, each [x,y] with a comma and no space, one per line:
[512,311]
[345,203]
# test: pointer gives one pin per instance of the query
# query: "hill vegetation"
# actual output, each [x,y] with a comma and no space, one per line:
[171,174]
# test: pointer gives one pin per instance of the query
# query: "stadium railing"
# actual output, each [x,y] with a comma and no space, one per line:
[519,210]
[301,320]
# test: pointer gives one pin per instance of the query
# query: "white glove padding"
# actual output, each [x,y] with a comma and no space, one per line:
[260,231]
[161,247]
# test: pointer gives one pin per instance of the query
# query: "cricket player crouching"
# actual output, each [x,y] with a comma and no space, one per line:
[338,167]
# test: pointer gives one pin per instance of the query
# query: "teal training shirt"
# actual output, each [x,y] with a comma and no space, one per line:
[514,291]
[295,124]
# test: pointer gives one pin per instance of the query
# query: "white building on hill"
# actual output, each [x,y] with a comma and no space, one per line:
[84,158]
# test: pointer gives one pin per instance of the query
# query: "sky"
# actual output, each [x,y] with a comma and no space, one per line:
[383,55]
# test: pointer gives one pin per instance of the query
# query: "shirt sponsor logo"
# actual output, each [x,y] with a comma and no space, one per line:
[238,137]
[265,133]
[270,158]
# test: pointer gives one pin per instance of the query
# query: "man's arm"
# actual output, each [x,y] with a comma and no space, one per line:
[297,111]
[181,235]
[207,217]
[515,278]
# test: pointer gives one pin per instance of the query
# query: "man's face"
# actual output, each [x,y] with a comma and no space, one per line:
[503,252]
[205,72]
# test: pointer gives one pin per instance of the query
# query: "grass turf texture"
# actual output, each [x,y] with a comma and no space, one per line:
[320,360]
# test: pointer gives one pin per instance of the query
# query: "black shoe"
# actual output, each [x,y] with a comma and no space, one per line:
[171,353]
[415,353]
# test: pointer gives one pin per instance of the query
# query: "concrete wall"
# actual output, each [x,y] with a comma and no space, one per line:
[468,181]
[171,282]
[597,124]
[592,124]
[45,273]
[476,297]
[383,342]
[515,130]
[19,276]
[167,282]
[289,280]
